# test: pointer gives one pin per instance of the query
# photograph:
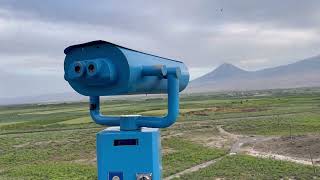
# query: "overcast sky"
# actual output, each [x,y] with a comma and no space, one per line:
[203,34]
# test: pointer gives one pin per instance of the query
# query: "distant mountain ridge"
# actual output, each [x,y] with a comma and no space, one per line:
[305,73]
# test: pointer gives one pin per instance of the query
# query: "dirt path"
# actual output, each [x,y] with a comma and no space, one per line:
[241,140]
[225,133]
[281,157]
[237,147]
[194,168]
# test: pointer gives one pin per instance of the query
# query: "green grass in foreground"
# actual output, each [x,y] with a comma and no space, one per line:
[186,154]
[245,167]
[71,154]
[61,171]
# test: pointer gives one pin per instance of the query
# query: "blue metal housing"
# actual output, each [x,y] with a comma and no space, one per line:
[100,68]
[137,153]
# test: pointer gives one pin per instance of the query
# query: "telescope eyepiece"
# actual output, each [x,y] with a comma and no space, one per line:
[101,71]
[91,68]
[92,72]
[76,71]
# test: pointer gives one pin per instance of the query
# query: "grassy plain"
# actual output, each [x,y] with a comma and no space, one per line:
[57,141]
[247,167]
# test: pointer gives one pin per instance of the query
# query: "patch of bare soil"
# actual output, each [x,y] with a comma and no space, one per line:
[88,161]
[209,135]
[304,146]
[213,137]
[21,145]
[213,141]
[42,143]
[167,150]
[171,134]
[281,157]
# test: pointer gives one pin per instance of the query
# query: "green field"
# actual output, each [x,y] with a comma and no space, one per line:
[57,141]
[246,167]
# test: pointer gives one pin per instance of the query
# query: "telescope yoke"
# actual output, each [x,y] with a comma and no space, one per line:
[100,68]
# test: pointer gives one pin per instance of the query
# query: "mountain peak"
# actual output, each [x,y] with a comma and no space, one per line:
[228,67]
[227,64]
[225,70]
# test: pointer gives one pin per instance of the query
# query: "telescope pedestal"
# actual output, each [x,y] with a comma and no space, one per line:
[129,155]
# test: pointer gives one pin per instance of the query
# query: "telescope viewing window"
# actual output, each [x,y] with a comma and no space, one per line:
[91,68]
[77,69]
[125,142]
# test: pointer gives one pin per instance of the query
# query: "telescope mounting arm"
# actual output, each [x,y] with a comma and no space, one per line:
[98,117]
[173,104]
[172,75]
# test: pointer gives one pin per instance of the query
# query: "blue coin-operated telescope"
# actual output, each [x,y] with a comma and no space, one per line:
[130,148]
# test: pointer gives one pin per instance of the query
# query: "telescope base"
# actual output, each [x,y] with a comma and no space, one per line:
[129,155]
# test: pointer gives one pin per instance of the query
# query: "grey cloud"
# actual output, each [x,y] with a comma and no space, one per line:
[145,15]
[251,34]
[103,13]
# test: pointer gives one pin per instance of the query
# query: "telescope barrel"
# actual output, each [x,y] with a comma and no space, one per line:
[100,68]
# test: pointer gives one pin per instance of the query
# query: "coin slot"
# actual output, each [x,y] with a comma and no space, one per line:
[125,142]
